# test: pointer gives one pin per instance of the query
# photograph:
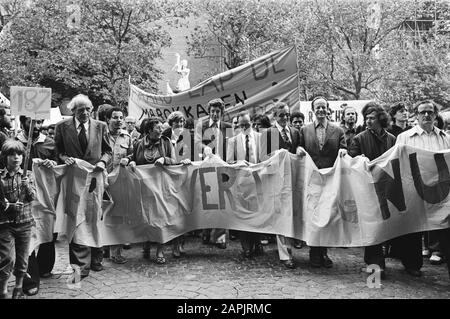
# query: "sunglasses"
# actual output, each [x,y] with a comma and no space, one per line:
[426,112]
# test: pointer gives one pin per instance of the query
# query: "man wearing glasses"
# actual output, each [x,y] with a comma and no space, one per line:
[322,140]
[281,136]
[425,136]
[245,147]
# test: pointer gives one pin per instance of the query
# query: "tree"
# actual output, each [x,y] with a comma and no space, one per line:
[114,39]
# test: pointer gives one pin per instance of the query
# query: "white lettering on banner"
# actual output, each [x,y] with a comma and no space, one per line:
[34,102]
[270,78]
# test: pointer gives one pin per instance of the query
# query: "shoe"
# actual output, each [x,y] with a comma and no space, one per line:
[259,250]
[18,294]
[160,260]
[46,275]
[247,253]
[31,291]
[146,254]
[221,245]
[288,263]
[97,267]
[426,253]
[119,259]
[414,272]
[326,261]
[315,261]
[435,260]
[264,242]
[126,246]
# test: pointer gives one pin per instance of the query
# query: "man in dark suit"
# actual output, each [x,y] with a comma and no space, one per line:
[211,138]
[84,138]
[281,136]
[322,140]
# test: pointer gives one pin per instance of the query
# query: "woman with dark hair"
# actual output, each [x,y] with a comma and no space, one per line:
[152,148]
[371,143]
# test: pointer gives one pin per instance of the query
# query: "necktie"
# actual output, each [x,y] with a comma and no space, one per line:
[213,136]
[247,149]
[287,143]
[83,139]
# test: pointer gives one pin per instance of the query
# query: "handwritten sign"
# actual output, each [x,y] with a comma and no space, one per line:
[31,101]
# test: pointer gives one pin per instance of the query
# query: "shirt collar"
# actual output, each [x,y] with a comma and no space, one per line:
[419,131]
[5,172]
[77,124]
[121,132]
[280,128]
[325,123]
[211,123]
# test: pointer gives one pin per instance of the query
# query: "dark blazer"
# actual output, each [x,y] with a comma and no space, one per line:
[271,141]
[203,137]
[334,140]
[67,144]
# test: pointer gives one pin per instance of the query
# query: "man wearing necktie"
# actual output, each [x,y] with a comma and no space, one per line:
[83,138]
[322,140]
[211,138]
[245,146]
[281,136]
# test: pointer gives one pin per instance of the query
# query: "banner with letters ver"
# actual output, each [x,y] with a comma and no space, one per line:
[253,86]
[355,203]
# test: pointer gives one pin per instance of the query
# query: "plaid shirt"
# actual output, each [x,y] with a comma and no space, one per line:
[11,186]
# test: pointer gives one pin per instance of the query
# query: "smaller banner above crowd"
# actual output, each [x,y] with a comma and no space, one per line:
[336,108]
[254,86]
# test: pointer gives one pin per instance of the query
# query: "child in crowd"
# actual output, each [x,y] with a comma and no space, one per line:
[16,194]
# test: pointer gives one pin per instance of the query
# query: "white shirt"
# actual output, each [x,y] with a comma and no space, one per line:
[251,145]
[86,126]
[436,140]
[280,128]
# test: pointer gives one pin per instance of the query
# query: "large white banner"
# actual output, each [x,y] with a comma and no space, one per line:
[254,86]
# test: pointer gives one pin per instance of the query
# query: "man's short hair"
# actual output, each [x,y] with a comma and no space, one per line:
[111,110]
[319,98]
[346,107]
[217,103]
[382,115]
[102,111]
[297,114]
[79,100]
[175,117]
[265,122]
[436,106]
[279,106]
[256,117]
[396,107]
[3,108]
[244,113]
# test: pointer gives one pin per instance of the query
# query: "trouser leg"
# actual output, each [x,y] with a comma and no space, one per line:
[374,255]
[80,255]
[410,248]
[284,245]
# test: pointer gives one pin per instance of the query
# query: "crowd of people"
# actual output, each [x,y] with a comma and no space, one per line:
[111,138]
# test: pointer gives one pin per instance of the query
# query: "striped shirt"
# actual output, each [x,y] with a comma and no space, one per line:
[436,140]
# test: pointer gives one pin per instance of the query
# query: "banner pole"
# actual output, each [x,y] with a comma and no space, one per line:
[298,76]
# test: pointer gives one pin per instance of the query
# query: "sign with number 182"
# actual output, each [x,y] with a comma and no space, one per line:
[34,102]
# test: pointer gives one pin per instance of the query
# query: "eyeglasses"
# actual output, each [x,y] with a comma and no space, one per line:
[246,125]
[426,112]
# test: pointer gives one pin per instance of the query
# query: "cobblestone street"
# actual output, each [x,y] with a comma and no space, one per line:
[209,272]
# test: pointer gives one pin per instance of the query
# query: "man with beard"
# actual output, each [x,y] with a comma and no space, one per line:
[5,124]
[348,123]
[322,140]
[371,143]
[42,147]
